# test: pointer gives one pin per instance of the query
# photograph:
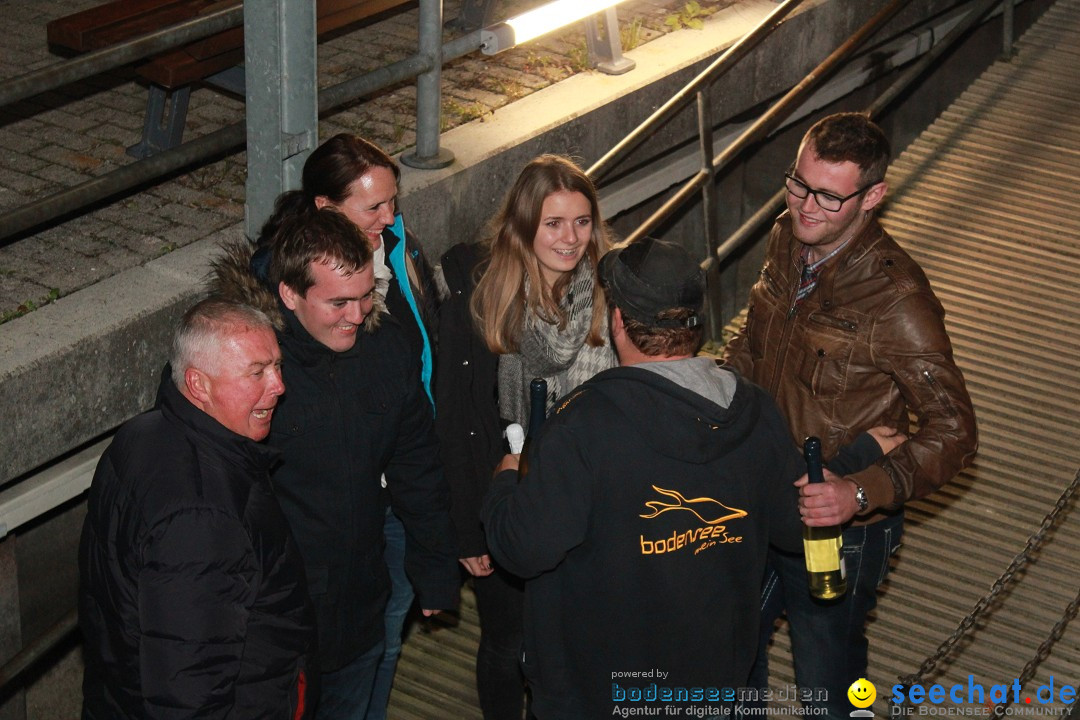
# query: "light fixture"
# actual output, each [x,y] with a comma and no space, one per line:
[537,22]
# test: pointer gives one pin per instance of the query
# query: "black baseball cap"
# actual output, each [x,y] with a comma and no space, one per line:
[649,276]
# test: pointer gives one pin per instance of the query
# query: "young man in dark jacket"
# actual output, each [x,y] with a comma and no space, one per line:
[642,527]
[356,410]
[192,598]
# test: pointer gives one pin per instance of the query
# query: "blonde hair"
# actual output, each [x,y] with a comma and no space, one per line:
[500,300]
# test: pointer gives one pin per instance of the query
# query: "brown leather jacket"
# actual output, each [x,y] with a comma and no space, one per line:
[867,346]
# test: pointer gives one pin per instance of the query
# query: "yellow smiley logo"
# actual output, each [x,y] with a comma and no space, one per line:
[862,693]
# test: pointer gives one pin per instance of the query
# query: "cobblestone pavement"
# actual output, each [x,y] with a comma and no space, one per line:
[64,137]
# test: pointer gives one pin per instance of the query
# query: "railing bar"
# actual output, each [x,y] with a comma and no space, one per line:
[1007,28]
[775,114]
[731,56]
[227,138]
[709,207]
[684,193]
[913,72]
[397,72]
[38,648]
[98,61]
[766,212]
[223,140]
[708,190]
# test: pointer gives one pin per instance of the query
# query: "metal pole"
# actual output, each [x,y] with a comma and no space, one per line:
[708,196]
[394,73]
[426,154]
[1008,30]
[676,201]
[775,114]
[719,66]
[49,208]
[41,646]
[765,212]
[99,61]
[927,59]
[282,96]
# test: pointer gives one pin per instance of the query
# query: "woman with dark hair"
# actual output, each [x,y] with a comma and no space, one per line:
[525,303]
[359,180]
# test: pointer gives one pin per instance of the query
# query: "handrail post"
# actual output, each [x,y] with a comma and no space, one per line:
[427,155]
[282,96]
[605,47]
[1007,23]
[708,198]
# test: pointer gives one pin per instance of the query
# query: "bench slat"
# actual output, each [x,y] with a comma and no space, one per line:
[149,22]
[116,21]
[119,20]
[204,58]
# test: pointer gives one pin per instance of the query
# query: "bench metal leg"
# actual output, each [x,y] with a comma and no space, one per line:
[605,45]
[474,15]
[163,126]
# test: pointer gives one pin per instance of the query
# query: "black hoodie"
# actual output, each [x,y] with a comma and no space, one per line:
[643,525]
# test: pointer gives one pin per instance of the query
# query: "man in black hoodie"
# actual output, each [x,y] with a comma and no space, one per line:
[652,495]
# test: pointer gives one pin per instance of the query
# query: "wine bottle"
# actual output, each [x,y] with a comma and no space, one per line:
[537,414]
[823,545]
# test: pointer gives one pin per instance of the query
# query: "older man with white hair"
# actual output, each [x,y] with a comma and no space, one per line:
[193,601]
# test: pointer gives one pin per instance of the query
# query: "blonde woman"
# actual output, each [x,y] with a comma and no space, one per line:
[525,303]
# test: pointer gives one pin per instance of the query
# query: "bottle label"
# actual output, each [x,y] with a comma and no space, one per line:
[824,555]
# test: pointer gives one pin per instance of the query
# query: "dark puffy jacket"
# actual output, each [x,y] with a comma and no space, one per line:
[346,418]
[470,431]
[192,599]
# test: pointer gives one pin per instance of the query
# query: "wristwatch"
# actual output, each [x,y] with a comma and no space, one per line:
[860,497]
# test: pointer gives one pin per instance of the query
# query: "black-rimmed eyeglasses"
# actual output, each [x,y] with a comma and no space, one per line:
[825,200]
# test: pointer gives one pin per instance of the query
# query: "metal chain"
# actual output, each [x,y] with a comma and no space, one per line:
[1006,578]
[1043,652]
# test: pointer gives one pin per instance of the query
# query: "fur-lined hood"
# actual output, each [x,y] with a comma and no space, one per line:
[239,273]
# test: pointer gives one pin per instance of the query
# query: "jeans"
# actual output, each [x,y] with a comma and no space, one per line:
[346,693]
[828,638]
[500,602]
[397,608]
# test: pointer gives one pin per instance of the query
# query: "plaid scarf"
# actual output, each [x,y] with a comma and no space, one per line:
[561,357]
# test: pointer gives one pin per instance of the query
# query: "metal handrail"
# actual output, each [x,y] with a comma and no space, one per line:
[40,647]
[718,67]
[774,115]
[769,209]
[98,61]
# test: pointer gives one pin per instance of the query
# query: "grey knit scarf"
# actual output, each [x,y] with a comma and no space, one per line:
[559,356]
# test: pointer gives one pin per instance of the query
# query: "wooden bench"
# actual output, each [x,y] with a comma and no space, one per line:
[214,60]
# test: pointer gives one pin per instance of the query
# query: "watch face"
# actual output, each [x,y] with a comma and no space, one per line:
[860,497]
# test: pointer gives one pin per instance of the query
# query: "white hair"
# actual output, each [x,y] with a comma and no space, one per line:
[203,329]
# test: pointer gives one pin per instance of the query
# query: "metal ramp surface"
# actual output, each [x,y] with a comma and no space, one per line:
[986,201]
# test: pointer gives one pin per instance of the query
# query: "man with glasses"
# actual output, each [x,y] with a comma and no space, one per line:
[844,331]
